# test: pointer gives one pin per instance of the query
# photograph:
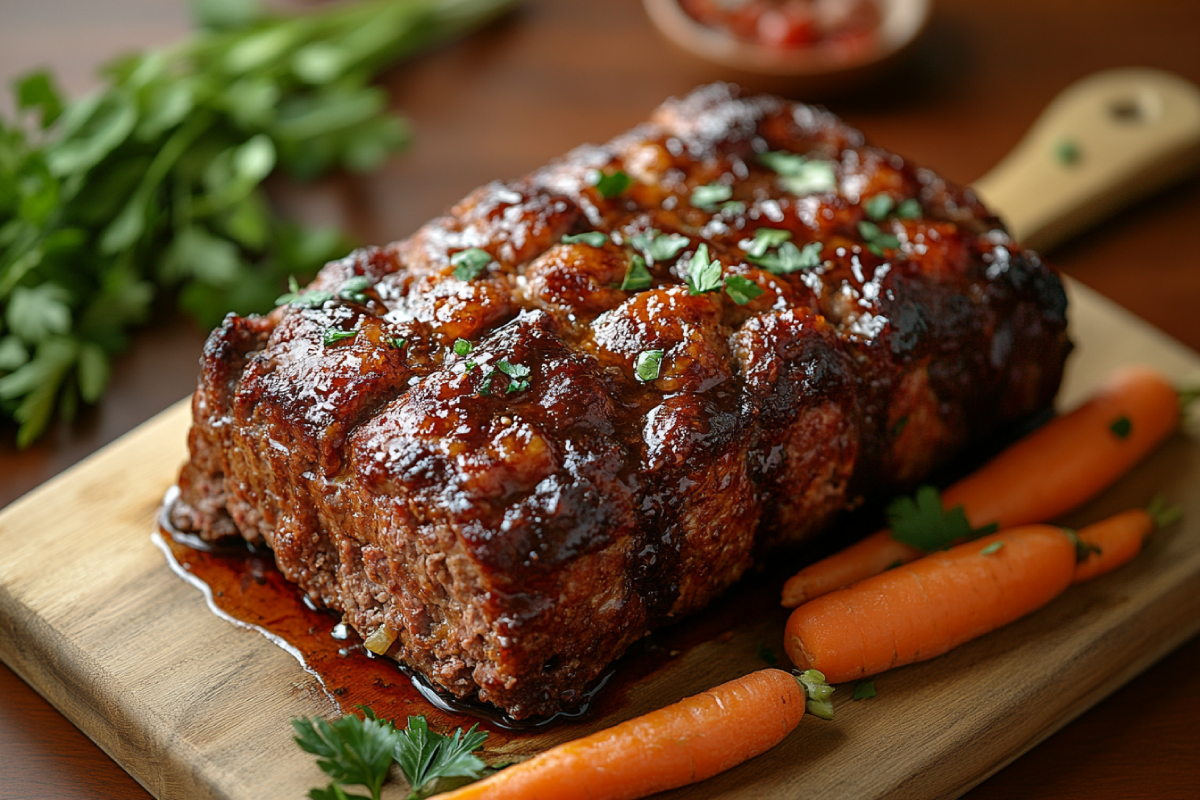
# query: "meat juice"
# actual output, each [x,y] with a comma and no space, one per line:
[243,584]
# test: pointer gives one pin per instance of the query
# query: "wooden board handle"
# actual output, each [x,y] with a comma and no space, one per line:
[1104,142]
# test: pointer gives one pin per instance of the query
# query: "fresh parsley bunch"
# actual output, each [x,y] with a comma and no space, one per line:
[154,181]
[360,752]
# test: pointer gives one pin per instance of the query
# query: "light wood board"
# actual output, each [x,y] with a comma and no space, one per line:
[195,707]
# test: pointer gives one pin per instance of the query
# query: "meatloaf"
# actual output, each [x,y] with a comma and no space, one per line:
[582,403]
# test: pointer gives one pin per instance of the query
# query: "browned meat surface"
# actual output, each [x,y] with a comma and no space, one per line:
[518,513]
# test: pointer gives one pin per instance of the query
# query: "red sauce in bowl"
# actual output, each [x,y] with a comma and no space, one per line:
[791,24]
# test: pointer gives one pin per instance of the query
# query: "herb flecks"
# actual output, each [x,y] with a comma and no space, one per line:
[469,264]
[741,289]
[876,238]
[334,335]
[590,238]
[1066,152]
[801,175]
[611,184]
[637,276]
[658,246]
[709,196]
[1121,427]
[462,347]
[789,258]
[764,240]
[922,522]
[648,365]
[703,274]
[863,690]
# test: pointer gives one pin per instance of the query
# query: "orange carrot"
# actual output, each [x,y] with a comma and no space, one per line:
[674,746]
[923,609]
[1116,540]
[1056,468]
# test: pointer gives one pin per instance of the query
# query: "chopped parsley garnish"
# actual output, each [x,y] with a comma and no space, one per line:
[789,258]
[398,342]
[469,264]
[295,297]
[462,347]
[518,376]
[648,365]
[764,239]
[1121,427]
[733,207]
[799,174]
[709,196]
[879,206]
[593,238]
[991,548]
[741,289]
[637,277]
[703,275]
[359,752]
[877,240]
[333,336]
[1066,152]
[909,209]
[354,287]
[658,246]
[922,522]
[611,184]
[863,690]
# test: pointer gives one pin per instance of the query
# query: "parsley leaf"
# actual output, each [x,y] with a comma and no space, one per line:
[350,750]
[353,289]
[469,264]
[877,240]
[1121,427]
[648,365]
[593,238]
[658,246]
[879,206]
[922,522]
[788,258]
[703,275]
[709,196]
[462,347]
[637,277]
[424,756]
[909,209]
[333,336]
[800,175]
[518,374]
[764,239]
[611,184]
[741,289]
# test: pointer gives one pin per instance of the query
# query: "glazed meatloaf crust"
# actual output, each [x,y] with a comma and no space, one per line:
[581,404]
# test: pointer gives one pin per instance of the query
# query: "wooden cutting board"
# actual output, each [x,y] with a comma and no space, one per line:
[195,707]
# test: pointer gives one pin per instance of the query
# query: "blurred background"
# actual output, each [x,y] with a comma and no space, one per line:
[552,74]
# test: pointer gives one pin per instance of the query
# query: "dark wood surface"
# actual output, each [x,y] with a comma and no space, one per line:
[560,72]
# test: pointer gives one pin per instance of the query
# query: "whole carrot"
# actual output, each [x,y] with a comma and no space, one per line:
[923,609]
[1116,540]
[1051,471]
[674,746]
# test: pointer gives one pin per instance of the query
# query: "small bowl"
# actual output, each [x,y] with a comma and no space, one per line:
[823,68]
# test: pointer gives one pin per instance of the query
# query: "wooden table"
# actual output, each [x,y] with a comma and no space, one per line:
[560,72]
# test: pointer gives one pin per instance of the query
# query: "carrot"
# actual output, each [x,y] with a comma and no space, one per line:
[674,746]
[1056,468]
[1116,540]
[923,609]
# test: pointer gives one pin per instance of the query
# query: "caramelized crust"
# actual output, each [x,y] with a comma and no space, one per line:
[517,514]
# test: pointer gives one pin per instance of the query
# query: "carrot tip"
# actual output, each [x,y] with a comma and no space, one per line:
[817,692]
